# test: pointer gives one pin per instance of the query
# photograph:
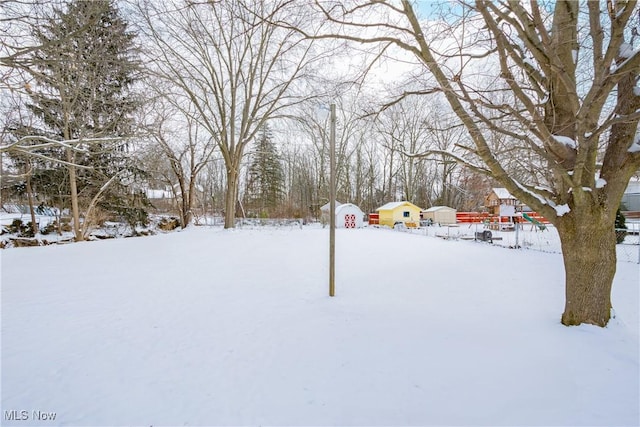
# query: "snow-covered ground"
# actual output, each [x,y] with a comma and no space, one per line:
[529,237]
[108,229]
[235,327]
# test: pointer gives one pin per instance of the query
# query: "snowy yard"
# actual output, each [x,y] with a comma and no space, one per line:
[215,327]
[528,237]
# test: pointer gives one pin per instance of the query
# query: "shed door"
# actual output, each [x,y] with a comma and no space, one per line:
[350,221]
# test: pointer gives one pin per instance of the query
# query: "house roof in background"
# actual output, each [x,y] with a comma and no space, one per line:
[502,193]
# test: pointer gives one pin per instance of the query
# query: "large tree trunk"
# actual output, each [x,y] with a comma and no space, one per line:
[589,252]
[230,198]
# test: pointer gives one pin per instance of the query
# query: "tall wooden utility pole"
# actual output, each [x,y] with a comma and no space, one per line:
[332,202]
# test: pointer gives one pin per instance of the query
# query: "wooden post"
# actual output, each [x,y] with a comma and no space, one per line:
[332,202]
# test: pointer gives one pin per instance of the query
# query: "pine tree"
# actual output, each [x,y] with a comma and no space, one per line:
[85,68]
[265,183]
[621,227]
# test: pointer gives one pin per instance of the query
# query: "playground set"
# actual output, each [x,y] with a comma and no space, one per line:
[502,223]
[503,212]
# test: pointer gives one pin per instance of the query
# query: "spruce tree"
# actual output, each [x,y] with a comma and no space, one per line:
[265,183]
[85,69]
[621,226]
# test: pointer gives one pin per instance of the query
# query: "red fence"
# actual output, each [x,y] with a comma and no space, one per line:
[475,217]
[471,217]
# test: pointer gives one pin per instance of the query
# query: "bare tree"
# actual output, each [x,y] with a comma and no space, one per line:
[405,130]
[569,73]
[446,134]
[364,167]
[236,69]
[352,133]
[186,150]
[17,20]
[301,181]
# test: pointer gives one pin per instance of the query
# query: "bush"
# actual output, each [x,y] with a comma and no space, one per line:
[65,224]
[16,226]
[621,227]
[28,231]
[50,228]
[20,228]
[168,224]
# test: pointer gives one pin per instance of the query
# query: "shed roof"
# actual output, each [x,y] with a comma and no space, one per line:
[325,207]
[439,208]
[347,206]
[502,193]
[393,205]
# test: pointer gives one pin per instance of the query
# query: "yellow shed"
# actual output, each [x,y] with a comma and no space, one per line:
[394,212]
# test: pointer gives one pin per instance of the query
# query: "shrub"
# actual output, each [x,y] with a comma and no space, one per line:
[621,227]
[16,226]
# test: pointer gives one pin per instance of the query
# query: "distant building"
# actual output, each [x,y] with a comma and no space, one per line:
[631,196]
[405,212]
[500,202]
[443,215]
[348,215]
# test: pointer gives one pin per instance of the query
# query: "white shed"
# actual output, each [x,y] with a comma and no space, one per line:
[443,215]
[348,215]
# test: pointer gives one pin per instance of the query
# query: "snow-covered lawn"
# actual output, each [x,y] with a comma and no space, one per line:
[215,327]
[530,238]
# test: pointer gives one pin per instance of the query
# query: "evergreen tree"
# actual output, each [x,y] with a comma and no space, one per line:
[621,226]
[85,67]
[265,183]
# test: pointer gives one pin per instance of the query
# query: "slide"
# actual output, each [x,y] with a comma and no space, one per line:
[540,225]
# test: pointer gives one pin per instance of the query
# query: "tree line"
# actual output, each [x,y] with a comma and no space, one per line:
[222,104]
[215,106]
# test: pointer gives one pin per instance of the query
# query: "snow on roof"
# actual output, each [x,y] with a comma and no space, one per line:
[565,141]
[502,193]
[392,205]
[347,206]
[325,208]
[438,208]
